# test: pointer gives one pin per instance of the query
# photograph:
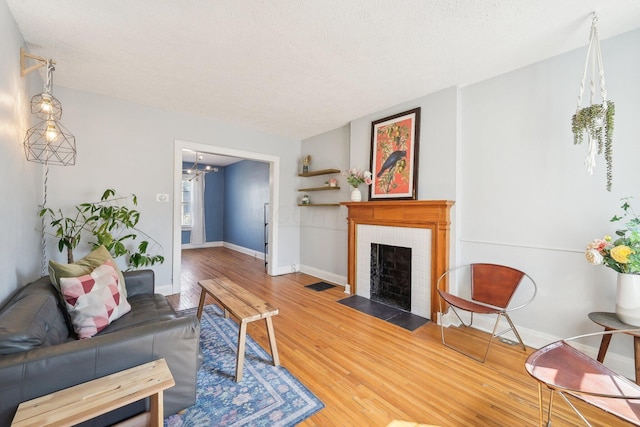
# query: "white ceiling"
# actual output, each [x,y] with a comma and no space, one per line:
[298,68]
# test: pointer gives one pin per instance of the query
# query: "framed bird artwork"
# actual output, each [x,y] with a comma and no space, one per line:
[394,156]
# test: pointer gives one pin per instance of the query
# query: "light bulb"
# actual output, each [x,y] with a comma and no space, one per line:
[46,105]
[208,168]
[51,133]
[188,170]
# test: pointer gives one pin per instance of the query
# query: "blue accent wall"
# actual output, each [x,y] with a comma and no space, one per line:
[213,205]
[234,199]
[246,192]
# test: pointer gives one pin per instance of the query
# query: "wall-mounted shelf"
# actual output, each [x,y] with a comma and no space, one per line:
[326,187]
[319,172]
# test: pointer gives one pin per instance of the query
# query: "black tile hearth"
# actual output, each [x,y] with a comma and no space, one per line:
[392,315]
[320,286]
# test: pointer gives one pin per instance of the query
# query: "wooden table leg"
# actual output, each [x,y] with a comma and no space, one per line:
[242,338]
[604,345]
[272,341]
[636,352]
[203,295]
[156,409]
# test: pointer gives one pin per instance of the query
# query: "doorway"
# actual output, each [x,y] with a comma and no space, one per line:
[272,226]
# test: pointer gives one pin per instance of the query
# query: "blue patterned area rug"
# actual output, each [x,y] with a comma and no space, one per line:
[266,396]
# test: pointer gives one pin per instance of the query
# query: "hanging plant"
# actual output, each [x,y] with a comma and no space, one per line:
[597,122]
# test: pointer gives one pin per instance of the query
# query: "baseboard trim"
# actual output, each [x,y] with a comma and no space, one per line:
[204,245]
[324,275]
[246,251]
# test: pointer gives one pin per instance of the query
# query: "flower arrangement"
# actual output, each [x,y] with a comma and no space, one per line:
[356,177]
[623,253]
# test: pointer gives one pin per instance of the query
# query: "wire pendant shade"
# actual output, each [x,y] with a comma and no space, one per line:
[50,142]
[45,106]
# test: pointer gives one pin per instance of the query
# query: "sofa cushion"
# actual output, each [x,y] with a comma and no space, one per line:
[32,318]
[94,300]
[145,308]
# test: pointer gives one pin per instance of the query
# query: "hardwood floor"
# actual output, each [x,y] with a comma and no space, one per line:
[369,372]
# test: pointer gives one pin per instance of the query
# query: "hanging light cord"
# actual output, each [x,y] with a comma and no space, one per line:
[43,236]
[49,81]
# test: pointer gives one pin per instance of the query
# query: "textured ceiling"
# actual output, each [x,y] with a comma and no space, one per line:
[300,67]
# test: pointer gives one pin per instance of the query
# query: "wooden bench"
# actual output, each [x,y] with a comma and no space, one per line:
[244,306]
[84,401]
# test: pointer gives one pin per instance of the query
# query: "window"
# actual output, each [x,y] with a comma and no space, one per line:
[187,192]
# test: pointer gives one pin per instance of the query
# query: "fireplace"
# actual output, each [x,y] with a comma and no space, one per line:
[422,225]
[416,240]
[391,275]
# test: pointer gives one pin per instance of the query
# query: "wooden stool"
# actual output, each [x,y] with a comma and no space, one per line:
[245,307]
[84,401]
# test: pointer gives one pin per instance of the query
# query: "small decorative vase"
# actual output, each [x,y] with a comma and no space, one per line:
[628,298]
[356,196]
[305,168]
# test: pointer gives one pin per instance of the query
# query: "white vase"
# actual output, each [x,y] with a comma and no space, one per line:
[628,298]
[355,195]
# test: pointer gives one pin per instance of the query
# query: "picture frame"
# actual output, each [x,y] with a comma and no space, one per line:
[394,156]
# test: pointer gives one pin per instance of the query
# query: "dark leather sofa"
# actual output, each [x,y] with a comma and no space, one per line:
[39,354]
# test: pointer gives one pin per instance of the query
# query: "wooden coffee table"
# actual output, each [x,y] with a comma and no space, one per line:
[244,306]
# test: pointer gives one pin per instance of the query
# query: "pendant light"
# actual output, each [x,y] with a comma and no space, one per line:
[48,142]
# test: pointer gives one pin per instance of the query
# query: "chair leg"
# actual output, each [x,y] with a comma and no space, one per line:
[540,411]
[551,394]
[515,331]
[587,423]
[478,359]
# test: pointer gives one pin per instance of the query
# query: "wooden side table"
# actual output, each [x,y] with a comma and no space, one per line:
[610,322]
[84,401]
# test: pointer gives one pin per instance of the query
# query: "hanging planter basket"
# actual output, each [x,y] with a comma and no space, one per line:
[595,120]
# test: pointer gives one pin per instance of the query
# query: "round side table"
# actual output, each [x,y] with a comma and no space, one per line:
[610,322]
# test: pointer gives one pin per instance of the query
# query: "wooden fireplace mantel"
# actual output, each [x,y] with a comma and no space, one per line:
[431,214]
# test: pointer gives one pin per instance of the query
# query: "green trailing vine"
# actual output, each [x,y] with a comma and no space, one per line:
[598,124]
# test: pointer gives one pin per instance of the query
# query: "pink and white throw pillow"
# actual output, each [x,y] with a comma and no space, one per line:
[94,300]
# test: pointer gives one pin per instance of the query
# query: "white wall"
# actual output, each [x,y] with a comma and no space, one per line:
[130,148]
[323,230]
[437,177]
[20,185]
[528,199]
[502,149]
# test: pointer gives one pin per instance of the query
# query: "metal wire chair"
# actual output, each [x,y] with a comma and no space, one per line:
[492,289]
[564,370]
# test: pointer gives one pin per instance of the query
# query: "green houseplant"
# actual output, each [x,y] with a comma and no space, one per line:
[109,222]
[596,121]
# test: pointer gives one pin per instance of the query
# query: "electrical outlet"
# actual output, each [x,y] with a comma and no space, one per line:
[162,197]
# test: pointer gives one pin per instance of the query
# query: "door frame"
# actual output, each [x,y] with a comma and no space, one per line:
[274,186]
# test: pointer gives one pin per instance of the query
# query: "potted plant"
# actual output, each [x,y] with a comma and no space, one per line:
[109,222]
[623,256]
[355,178]
[596,121]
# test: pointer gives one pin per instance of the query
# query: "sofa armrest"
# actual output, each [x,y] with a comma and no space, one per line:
[139,282]
[41,371]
